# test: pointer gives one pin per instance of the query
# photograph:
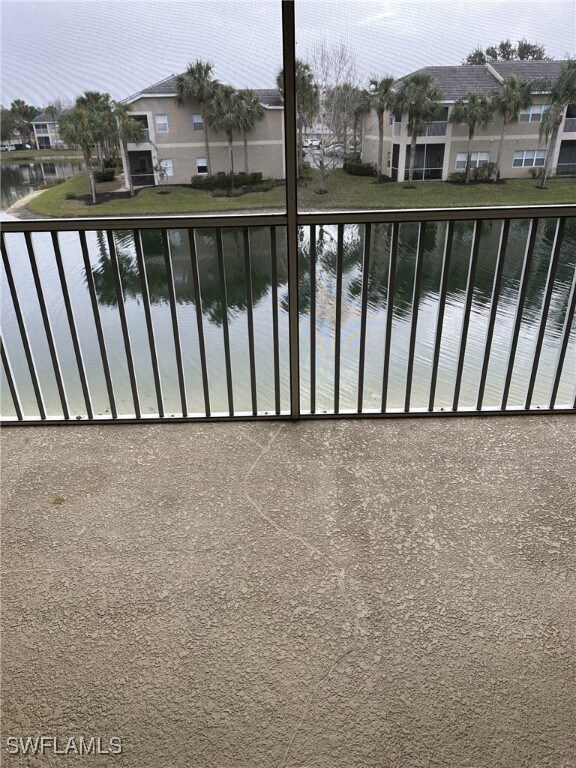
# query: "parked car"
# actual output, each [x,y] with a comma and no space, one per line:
[58,144]
[7,148]
[334,150]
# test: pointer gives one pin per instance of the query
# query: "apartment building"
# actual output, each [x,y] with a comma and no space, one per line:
[443,148]
[173,138]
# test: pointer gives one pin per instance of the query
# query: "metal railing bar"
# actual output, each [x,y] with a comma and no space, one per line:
[446,258]
[225,329]
[72,326]
[98,323]
[250,320]
[149,324]
[530,244]
[568,320]
[47,326]
[174,318]
[338,324]
[123,321]
[363,314]
[11,381]
[291,222]
[558,237]
[275,334]
[415,309]
[199,320]
[389,311]
[467,310]
[493,310]
[224,221]
[23,332]
[313,262]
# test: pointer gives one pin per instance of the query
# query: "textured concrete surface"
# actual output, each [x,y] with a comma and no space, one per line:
[384,594]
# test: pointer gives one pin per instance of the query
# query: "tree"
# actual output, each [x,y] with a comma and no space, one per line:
[306,102]
[505,51]
[7,122]
[251,112]
[106,129]
[198,85]
[226,113]
[129,130]
[335,77]
[79,127]
[420,98]
[563,92]
[473,110]
[23,114]
[513,96]
[380,97]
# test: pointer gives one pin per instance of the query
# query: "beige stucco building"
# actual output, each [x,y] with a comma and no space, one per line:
[443,149]
[174,139]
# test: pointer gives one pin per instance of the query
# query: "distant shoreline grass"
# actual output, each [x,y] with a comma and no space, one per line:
[25,155]
[345,192]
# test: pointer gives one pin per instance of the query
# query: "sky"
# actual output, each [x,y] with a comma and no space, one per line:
[59,48]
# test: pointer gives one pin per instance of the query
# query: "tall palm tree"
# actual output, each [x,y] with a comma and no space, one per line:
[563,92]
[226,115]
[106,134]
[129,130]
[251,113]
[514,96]
[420,98]
[307,102]
[198,85]
[473,110]
[380,97]
[79,127]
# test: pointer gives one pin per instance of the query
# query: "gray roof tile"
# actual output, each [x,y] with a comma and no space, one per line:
[269,97]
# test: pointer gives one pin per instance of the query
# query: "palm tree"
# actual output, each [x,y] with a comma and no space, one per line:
[563,93]
[473,110]
[129,130]
[420,98]
[198,85]
[307,102]
[106,132]
[514,96]
[251,113]
[79,127]
[380,97]
[226,115]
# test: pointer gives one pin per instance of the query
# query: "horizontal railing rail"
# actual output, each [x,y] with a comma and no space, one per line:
[126,315]
[570,125]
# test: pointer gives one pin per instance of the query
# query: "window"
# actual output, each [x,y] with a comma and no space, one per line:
[162,123]
[533,114]
[197,124]
[529,158]
[168,167]
[477,159]
[201,166]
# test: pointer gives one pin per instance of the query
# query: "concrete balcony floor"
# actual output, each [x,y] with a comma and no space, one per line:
[368,594]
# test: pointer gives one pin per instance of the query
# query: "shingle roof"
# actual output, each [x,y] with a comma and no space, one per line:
[269,97]
[46,117]
[455,82]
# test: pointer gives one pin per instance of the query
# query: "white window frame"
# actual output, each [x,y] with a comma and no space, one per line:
[533,114]
[197,122]
[168,165]
[161,124]
[477,160]
[201,162]
[529,158]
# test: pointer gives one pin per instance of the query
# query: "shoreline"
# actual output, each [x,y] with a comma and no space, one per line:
[20,206]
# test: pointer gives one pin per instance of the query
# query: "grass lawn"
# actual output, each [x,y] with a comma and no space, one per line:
[344,192]
[39,154]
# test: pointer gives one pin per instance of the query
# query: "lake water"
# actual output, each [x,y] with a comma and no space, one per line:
[263,318]
[18,179]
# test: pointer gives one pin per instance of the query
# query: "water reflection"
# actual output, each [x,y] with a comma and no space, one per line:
[19,179]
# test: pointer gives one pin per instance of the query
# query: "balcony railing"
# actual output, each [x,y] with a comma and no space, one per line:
[436,128]
[143,179]
[570,125]
[566,169]
[145,137]
[394,313]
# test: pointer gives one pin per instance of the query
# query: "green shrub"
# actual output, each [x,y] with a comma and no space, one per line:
[355,167]
[70,196]
[106,175]
[222,180]
[483,173]
[458,177]
[537,173]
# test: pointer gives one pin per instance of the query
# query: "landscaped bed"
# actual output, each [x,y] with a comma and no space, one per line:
[343,192]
